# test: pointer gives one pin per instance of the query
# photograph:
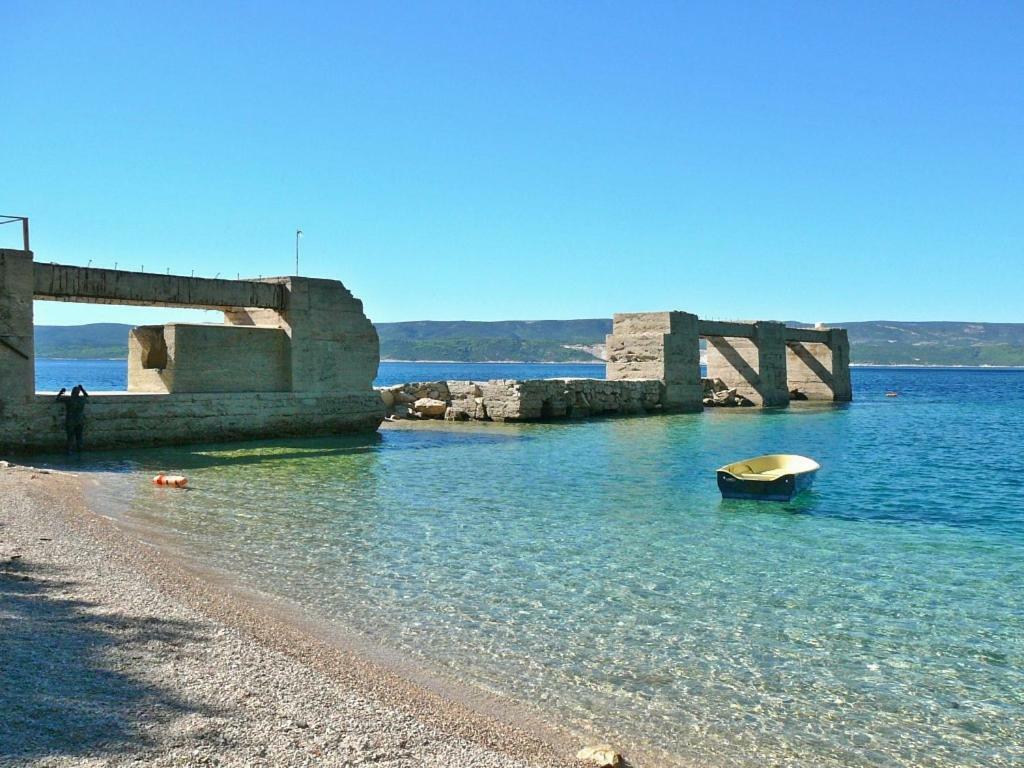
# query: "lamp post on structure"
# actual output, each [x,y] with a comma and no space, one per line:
[298,234]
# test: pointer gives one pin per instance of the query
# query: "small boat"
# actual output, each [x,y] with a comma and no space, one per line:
[776,477]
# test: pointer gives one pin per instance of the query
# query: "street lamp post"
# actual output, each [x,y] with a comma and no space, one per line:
[298,234]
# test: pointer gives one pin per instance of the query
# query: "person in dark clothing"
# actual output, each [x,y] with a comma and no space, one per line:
[74,415]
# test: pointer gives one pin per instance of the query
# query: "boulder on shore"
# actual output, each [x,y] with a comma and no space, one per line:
[428,407]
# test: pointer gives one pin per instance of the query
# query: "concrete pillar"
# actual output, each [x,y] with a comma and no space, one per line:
[333,345]
[17,354]
[821,371]
[755,366]
[658,345]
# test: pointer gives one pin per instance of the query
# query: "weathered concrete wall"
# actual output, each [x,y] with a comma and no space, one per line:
[334,346]
[319,347]
[118,420]
[821,371]
[658,345]
[188,357]
[17,372]
[523,399]
[755,367]
[537,399]
[62,282]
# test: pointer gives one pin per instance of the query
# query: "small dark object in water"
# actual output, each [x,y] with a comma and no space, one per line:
[796,394]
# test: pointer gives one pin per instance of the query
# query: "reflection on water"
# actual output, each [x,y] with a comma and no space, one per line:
[592,569]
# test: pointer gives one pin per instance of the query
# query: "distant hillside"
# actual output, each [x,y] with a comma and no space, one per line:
[96,340]
[539,341]
[894,342]
[879,342]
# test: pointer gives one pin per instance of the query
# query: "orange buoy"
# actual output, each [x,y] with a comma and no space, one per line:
[176,481]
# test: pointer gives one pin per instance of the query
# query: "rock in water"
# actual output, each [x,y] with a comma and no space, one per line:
[430,408]
[602,755]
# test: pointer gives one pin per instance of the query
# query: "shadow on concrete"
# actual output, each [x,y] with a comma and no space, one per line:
[62,693]
[736,362]
[814,364]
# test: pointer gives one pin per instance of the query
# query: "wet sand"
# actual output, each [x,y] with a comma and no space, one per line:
[113,654]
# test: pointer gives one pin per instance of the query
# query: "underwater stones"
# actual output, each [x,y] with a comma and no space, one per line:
[601,755]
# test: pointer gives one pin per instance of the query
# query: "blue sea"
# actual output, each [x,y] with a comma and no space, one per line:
[112,375]
[591,570]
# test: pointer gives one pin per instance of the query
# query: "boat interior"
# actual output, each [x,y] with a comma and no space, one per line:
[771,467]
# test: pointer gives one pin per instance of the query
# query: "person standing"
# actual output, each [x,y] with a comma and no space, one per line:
[74,415]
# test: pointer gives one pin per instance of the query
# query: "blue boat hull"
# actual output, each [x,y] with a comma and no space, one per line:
[782,488]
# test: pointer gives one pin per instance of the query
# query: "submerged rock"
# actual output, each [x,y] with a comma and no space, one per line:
[602,755]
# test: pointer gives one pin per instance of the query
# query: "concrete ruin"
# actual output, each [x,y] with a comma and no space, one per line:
[295,356]
[763,361]
[654,366]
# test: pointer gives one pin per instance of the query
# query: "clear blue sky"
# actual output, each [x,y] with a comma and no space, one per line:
[814,161]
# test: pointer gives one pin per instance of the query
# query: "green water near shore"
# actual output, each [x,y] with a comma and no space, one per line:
[592,571]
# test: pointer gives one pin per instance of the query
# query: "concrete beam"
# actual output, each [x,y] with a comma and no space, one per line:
[808,335]
[735,329]
[61,282]
[728,328]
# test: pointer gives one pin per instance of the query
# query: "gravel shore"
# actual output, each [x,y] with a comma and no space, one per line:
[111,655]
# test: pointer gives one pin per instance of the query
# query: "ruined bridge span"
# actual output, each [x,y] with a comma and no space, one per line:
[763,360]
[298,356]
[653,366]
[62,282]
[294,356]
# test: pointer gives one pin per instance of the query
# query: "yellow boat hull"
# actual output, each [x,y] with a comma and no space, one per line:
[774,477]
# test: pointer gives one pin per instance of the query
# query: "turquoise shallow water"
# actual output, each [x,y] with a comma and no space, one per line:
[592,570]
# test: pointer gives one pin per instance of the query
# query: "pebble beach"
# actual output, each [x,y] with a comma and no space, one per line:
[111,655]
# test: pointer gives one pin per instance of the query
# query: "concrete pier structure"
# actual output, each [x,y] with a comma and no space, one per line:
[750,358]
[658,345]
[296,356]
[762,360]
[819,368]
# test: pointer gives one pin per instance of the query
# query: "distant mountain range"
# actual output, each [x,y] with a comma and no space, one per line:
[878,342]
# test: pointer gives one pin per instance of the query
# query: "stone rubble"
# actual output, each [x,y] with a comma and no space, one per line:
[538,399]
[520,400]
[717,394]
